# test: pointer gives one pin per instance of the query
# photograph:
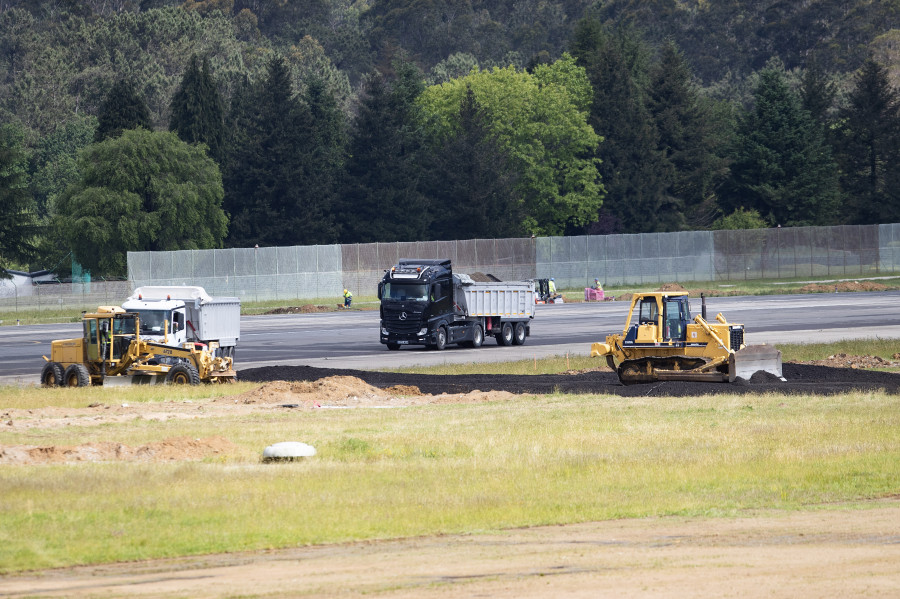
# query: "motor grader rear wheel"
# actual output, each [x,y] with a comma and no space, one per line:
[76,375]
[52,374]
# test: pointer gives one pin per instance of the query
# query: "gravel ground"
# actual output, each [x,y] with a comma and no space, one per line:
[801,379]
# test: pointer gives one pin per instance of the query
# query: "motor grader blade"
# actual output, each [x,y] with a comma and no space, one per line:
[746,362]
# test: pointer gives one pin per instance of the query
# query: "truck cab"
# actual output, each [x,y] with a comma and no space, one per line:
[162,321]
[416,300]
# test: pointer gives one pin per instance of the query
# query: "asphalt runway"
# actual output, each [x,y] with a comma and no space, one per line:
[349,339]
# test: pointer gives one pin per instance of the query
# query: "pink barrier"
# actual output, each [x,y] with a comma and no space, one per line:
[593,295]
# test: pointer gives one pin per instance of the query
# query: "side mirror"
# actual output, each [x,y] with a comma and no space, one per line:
[380,290]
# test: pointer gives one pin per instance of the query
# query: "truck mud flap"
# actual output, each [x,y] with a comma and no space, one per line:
[746,362]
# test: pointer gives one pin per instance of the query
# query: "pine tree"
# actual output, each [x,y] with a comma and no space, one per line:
[472,184]
[383,199]
[868,149]
[635,173]
[265,195]
[198,110]
[782,166]
[817,93]
[122,109]
[687,135]
[18,226]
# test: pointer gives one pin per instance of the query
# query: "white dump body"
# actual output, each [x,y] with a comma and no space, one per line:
[511,300]
[208,318]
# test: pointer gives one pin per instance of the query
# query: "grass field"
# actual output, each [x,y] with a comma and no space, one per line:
[383,473]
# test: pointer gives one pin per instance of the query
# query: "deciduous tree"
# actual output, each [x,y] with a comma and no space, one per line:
[540,123]
[141,191]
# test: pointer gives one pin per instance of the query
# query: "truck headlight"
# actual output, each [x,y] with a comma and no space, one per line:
[422,331]
[384,331]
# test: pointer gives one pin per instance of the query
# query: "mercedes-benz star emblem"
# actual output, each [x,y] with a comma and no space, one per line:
[403,316]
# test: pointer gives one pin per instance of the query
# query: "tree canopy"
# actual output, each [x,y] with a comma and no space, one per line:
[144,190]
[18,225]
[540,123]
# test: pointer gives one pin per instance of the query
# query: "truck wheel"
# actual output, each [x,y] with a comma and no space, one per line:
[76,375]
[393,346]
[440,339]
[477,336]
[183,374]
[52,374]
[519,337]
[506,334]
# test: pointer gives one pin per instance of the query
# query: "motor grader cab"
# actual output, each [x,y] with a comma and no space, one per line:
[111,350]
[661,342]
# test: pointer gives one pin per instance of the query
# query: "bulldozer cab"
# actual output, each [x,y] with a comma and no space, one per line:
[661,318]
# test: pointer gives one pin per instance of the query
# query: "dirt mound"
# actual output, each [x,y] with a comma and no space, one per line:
[343,390]
[848,361]
[671,287]
[182,448]
[480,277]
[843,286]
[304,309]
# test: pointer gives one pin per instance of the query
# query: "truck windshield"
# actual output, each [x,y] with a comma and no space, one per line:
[406,291]
[152,321]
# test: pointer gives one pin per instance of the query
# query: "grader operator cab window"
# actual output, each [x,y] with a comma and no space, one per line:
[90,338]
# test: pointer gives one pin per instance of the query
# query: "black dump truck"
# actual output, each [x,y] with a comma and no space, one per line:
[424,303]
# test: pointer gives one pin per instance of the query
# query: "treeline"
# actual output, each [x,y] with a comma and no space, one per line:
[160,126]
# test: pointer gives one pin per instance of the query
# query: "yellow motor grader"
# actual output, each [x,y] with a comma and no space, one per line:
[665,344]
[112,351]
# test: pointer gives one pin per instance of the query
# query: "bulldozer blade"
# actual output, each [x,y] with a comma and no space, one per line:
[746,362]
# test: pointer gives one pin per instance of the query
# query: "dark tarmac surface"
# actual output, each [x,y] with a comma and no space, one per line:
[801,379]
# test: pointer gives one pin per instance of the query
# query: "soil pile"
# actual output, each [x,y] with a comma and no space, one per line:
[801,379]
[352,391]
[304,309]
[844,286]
[180,449]
[848,361]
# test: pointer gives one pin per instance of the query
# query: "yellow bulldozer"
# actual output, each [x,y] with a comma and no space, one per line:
[665,344]
[112,351]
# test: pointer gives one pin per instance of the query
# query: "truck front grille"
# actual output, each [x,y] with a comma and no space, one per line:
[395,322]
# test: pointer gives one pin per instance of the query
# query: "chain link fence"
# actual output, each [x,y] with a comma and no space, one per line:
[507,259]
[313,272]
[252,274]
[18,297]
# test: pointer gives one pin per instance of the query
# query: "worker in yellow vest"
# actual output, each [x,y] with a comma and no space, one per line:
[348,298]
